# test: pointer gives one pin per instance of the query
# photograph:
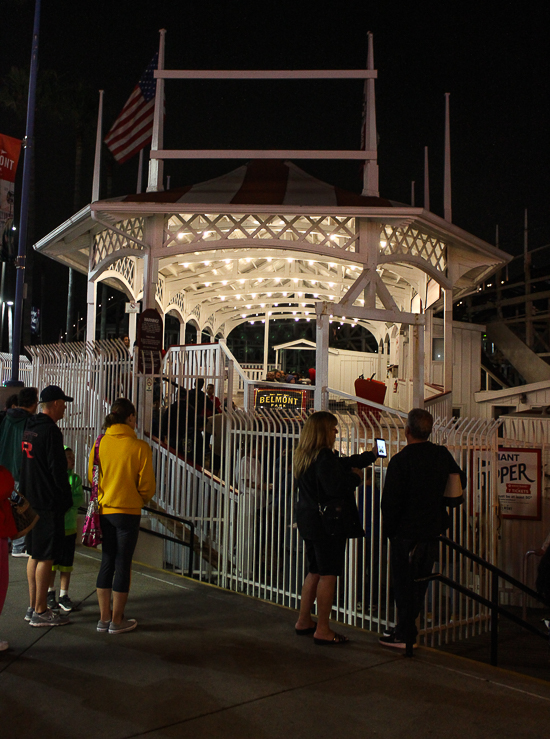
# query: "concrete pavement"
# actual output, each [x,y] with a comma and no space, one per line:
[210,663]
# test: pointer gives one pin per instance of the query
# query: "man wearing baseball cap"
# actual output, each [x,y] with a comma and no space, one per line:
[45,484]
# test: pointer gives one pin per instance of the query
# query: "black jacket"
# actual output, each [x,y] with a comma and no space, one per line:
[413,506]
[44,480]
[329,477]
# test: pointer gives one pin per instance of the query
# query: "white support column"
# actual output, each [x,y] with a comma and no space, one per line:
[321,357]
[448,339]
[183,325]
[447,207]
[417,348]
[156,166]
[150,277]
[266,343]
[132,328]
[91,310]
[370,137]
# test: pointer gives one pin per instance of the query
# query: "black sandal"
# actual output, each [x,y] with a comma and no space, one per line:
[335,641]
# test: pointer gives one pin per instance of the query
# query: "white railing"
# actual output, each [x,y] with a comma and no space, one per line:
[25,368]
[440,405]
[230,474]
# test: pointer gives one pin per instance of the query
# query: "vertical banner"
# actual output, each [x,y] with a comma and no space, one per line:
[10,149]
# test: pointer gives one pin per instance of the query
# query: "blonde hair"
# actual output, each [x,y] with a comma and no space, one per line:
[314,437]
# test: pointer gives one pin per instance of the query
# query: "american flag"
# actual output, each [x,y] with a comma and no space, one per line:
[133,129]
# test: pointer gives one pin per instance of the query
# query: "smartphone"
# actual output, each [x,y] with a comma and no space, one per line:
[381,447]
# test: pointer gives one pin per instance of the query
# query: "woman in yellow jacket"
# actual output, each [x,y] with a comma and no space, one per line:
[126,483]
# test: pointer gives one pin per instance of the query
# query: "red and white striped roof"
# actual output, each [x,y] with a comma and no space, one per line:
[262,182]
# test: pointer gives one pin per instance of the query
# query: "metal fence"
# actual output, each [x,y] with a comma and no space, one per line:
[25,368]
[229,470]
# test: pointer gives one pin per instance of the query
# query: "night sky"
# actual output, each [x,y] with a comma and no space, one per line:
[494,64]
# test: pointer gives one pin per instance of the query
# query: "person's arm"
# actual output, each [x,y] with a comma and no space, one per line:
[78,492]
[359,460]
[335,479]
[455,471]
[146,485]
[57,462]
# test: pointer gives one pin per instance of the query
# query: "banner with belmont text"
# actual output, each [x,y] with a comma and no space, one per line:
[10,149]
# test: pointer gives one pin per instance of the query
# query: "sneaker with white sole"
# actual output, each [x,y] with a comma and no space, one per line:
[103,626]
[49,618]
[127,624]
[51,601]
[20,554]
[29,612]
[389,639]
[66,604]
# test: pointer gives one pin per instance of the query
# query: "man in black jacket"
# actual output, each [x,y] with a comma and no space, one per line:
[414,514]
[45,484]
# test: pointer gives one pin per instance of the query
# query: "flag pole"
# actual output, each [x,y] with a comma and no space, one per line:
[96,183]
[28,145]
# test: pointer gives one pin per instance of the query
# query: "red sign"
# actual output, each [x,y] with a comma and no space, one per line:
[9,156]
[10,149]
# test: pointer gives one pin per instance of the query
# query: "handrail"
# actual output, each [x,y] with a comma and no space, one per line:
[364,401]
[493,604]
[158,534]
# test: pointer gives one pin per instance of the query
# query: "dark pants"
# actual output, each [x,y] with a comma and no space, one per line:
[120,534]
[409,598]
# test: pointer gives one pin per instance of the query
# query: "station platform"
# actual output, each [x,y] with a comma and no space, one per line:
[205,662]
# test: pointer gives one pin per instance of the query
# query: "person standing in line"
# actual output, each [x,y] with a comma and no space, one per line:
[7,530]
[66,559]
[413,515]
[45,484]
[126,483]
[323,476]
[11,436]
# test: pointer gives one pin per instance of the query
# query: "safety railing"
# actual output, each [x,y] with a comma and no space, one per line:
[229,473]
[490,603]
[152,518]
[25,369]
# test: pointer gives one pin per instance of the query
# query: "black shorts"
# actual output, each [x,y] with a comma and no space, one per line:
[326,556]
[65,561]
[45,540]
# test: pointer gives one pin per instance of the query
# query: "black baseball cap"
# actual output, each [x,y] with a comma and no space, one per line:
[53,392]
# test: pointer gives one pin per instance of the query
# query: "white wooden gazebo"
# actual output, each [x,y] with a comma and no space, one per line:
[267,241]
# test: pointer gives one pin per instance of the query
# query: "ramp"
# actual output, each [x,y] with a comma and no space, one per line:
[527,363]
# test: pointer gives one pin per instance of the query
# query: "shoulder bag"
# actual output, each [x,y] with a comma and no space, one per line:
[91,531]
[24,515]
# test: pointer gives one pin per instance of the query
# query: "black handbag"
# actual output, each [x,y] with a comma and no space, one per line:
[337,519]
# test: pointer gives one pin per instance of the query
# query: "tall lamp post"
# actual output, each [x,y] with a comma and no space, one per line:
[28,145]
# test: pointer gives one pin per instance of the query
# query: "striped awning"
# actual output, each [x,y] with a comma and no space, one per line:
[262,182]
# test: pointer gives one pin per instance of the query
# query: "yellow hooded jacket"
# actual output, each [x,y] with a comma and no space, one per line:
[126,476]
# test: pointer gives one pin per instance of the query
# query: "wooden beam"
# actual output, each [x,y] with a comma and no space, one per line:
[269,74]
[262,154]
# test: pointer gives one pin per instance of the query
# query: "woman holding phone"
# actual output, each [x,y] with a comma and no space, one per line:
[323,476]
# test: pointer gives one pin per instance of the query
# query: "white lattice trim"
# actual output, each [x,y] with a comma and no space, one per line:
[108,242]
[338,232]
[411,241]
